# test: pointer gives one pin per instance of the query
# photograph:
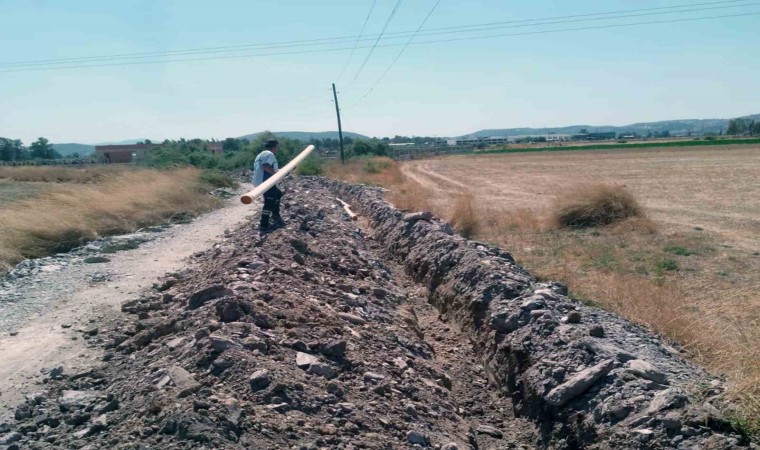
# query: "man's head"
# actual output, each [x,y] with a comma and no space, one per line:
[272,145]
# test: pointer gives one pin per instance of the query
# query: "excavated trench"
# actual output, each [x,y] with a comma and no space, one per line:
[391,333]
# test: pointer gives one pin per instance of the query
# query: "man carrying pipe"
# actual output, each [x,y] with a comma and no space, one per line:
[264,167]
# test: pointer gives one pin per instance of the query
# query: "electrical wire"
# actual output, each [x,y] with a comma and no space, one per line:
[401,52]
[361,32]
[374,46]
[468,38]
[356,39]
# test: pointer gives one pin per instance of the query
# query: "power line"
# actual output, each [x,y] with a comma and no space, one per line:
[401,52]
[374,46]
[468,38]
[356,39]
[361,32]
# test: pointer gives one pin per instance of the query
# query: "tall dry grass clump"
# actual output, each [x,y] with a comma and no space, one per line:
[53,174]
[71,214]
[464,216]
[594,205]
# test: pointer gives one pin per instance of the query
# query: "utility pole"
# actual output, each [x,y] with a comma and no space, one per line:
[340,129]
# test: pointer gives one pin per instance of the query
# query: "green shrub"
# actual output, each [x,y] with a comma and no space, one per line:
[375,166]
[310,166]
[668,265]
[677,250]
[217,179]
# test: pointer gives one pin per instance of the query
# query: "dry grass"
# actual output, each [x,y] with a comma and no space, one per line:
[52,174]
[594,205]
[688,270]
[464,217]
[69,214]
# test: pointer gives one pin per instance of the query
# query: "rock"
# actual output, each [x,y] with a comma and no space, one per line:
[450,446]
[71,400]
[335,348]
[222,343]
[10,438]
[259,380]
[299,258]
[322,370]
[491,431]
[304,360]
[573,317]
[23,412]
[420,215]
[646,370]
[671,421]
[184,381]
[299,246]
[667,399]
[596,331]
[418,438]
[372,377]
[411,410]
[533,303]
[504,321]
[197,299]
[578,384]
[356,320]
[445,381]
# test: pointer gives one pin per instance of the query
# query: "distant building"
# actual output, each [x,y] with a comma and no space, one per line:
[115,154]
[479,141]
[604,136]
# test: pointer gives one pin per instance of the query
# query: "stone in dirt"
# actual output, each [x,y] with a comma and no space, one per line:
[304,360]
[210,293]
[184,381]
[420,215]
[646,370]
[336,348]
[356,320]
[578,384]
[259,380]
[418,438]
[491,431]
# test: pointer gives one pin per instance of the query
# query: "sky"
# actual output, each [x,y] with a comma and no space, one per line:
[531,77]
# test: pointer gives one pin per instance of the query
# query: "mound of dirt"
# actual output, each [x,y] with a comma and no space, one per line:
[391,334]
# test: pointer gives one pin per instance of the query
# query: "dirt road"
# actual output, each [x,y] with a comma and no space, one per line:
[69,300]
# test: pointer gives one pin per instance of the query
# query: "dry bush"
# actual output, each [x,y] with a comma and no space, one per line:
[464,215]
[594,205]
[52,174]
[377,171]
[71,214]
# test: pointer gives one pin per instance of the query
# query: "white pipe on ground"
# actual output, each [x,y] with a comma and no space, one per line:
[248,197]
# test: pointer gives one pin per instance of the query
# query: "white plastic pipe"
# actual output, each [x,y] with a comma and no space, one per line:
[248,197]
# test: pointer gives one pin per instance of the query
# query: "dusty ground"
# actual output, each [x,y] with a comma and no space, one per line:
[715,188]
[69,297]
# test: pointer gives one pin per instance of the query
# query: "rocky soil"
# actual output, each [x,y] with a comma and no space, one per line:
[390,332]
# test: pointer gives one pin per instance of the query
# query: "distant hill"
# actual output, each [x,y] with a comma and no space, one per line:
[307,135]
[67,150]
[675,127]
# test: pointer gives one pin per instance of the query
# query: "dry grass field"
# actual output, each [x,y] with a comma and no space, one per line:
[50,209]
[688,269]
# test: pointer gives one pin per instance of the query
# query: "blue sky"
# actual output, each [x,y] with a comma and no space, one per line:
[697,69]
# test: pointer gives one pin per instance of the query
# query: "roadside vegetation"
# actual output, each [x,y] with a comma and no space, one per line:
[82,204]
[687,285]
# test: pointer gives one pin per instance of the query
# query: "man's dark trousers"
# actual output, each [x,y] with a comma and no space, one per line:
[271,207]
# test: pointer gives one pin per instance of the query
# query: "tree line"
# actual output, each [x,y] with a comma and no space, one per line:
[743,127]
[12,150]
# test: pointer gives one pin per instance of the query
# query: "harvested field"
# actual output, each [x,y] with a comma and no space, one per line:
[46,210]
[687,270]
